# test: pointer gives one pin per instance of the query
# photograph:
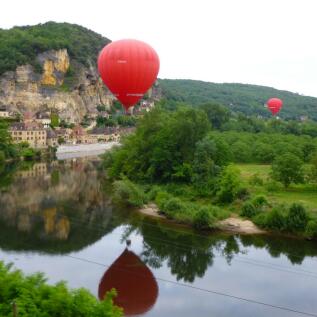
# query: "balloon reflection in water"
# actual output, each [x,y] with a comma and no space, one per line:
[135,284]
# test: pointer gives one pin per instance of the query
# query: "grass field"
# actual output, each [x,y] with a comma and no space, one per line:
[303,193]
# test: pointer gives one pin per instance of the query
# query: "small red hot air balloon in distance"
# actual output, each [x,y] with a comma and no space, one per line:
[274,105]
[128,68]
[135,284]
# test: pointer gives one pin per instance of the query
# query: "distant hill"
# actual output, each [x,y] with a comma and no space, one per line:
[248,99]
[21,45]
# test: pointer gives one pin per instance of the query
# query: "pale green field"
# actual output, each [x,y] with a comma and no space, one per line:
[305,194]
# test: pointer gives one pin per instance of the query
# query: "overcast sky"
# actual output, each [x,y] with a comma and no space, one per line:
[264,42]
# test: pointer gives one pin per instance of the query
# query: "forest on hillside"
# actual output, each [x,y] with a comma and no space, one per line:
[21,45]
[247,99]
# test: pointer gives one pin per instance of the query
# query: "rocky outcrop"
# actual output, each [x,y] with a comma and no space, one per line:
[71,94]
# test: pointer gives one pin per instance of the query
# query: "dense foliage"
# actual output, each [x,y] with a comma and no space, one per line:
[20,45]
[248,99]
[34,297]
[163,147]
[288,168]
[180,157]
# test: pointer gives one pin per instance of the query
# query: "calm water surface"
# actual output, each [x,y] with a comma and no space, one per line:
[58,218]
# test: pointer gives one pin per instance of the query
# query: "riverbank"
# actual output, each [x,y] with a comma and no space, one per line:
[81,150]
[179,204]
[233,224]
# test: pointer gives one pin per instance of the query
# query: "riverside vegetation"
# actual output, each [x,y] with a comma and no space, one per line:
[190,161]
[34,297]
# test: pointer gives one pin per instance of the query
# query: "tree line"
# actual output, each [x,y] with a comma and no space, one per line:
[180,157]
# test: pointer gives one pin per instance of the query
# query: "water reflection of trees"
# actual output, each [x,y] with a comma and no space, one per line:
[296,250]
[54,207]
[188,255]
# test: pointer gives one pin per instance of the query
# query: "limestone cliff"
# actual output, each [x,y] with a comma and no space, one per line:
[67,87]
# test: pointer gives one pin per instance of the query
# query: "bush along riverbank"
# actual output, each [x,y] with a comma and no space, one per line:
[175,160]
[168,201]
[31,296]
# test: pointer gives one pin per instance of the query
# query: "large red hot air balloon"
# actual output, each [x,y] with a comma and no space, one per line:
[274,105]
[128,68]
[136,286]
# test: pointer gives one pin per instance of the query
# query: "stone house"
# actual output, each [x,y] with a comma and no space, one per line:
[4,113]
[43,118]
[66,134]
[106,134]
[52,139]
[30,132]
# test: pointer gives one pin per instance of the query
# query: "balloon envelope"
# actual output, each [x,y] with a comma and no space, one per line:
[128,68]
[135,284]
[274,105]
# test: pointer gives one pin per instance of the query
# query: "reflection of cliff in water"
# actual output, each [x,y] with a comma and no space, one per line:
[56,208]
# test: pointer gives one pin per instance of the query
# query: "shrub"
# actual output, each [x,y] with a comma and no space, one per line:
[152,193]
[203,219]
[276,219]
[249,210]
[311,229]
[259,201]
[29,154]
[161,198]
[129,193]
[173,205]
[36,298]
[297,218]
[243,193]
[255,179]
[273,186]
[260,219]
[219,213]
[229,184]
[288,168]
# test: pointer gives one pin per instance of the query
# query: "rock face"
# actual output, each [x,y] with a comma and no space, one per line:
[73,91]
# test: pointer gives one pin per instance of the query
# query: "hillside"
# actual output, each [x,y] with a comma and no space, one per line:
[52,67]
[248,99]
[21,45]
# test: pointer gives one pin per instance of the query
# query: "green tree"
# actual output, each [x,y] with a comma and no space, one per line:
[101,108]
[60,140]
[162,147]
[297,218]
[288,169]
[34,297]
[313,162]
[54,120]
[216,113]
[241,152]
[229,184]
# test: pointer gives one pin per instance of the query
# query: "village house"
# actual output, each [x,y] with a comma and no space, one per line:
[64,134]
[105,134]
[145,106]
[52,139]
[43,118]
[30,132]
[4,112]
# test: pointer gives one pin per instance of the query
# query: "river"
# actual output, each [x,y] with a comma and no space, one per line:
[58,218]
